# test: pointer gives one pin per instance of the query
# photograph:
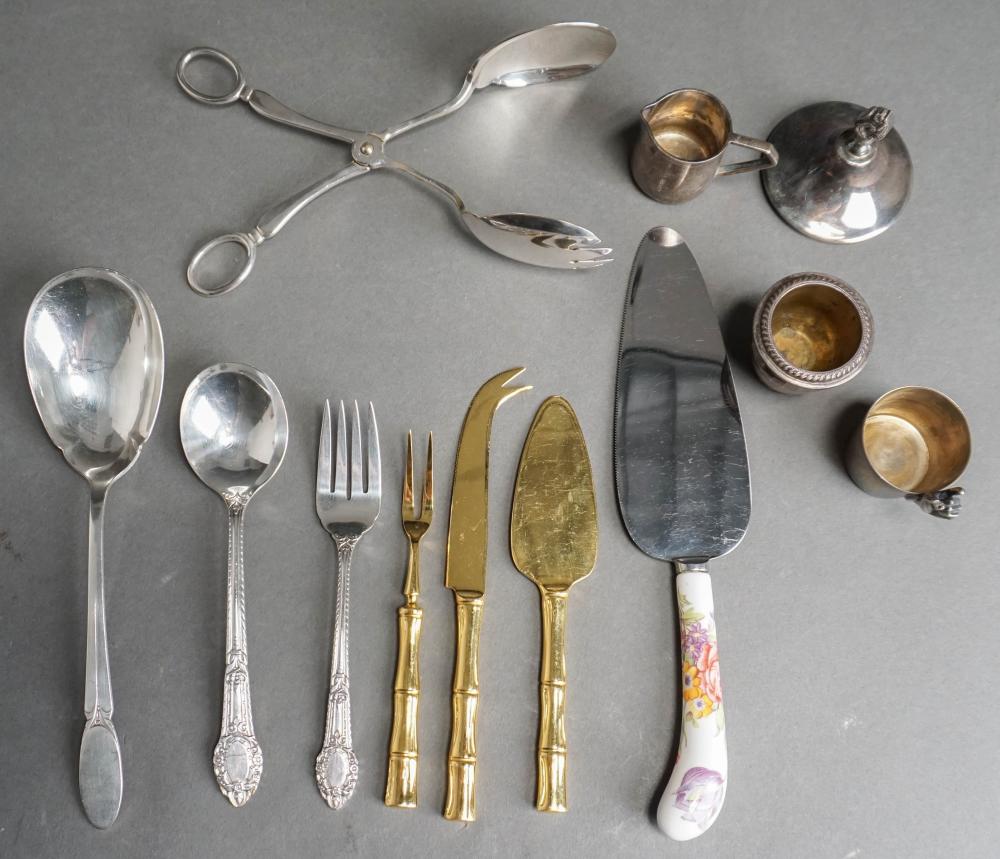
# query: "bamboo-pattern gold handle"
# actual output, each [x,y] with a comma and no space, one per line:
[552,715]
[460,803]
[401,782]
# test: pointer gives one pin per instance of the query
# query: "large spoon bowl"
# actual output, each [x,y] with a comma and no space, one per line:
[93,351]
[234,431]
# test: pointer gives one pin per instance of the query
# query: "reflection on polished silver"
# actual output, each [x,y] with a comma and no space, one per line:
[680,457]
[911,444]
[811,331]
[93,351]
[681,470]
[844,172]
[347,503]
[683,137]
[552,53]
[234,431]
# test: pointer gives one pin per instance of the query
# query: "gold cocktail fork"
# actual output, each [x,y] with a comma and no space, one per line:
[401,781]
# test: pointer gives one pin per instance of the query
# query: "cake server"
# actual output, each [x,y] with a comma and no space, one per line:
[553,541]
[683,488]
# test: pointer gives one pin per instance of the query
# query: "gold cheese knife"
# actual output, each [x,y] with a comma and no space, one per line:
[553,541]
[465,574]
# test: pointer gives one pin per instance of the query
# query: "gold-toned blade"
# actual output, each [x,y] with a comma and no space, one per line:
[465,561]
[553,522]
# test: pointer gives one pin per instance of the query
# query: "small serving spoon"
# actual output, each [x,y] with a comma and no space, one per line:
[93,351]
[234,431]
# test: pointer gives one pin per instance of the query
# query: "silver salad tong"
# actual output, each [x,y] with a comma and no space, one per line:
[552,53]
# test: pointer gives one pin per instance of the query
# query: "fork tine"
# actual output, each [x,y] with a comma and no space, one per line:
[427,501]
[409,512]
[324,466]
[357,473]
[374,456]
[340,475]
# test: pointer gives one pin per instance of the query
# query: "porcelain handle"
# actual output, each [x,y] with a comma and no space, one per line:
[697,788]
[460,803]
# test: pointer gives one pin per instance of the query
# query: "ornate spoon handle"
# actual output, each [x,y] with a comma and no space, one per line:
[237,760]
[337,765]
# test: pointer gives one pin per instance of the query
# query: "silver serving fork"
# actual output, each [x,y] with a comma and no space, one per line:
[346,512]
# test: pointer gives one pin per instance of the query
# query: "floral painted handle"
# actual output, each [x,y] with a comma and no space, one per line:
[697,787]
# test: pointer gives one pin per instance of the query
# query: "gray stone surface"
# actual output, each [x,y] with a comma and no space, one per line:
[858,636]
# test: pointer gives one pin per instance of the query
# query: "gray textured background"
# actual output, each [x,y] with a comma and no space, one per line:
[858,636]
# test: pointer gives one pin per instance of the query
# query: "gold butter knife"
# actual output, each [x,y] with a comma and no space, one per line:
[553,541]
[465,574]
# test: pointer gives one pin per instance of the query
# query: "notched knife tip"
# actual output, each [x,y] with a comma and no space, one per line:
[509,376]
[666,237]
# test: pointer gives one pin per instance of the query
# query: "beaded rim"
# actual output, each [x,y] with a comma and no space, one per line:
[778,363]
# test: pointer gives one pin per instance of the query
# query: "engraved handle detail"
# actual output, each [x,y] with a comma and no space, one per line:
[694,795]
[552,752]
[401,782]
[237,761]
[337,765]
[460,803]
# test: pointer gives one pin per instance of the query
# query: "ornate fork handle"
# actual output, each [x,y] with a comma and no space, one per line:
[237,761]
[337,765]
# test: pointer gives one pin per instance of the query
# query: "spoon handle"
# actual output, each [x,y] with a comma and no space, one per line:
[237,760]
[337,765]
[100,753]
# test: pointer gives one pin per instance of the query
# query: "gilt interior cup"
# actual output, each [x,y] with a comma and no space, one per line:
[913,443]
[810,332]
[681,143]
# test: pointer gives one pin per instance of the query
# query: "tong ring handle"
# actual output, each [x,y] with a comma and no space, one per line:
[220,58]
[246,241]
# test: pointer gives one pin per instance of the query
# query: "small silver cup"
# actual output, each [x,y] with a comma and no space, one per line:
[912,443]
[680,146]
[811,331]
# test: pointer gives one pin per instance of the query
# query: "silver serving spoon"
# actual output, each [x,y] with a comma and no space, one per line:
[93,350]
[552,53]
[234,431]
